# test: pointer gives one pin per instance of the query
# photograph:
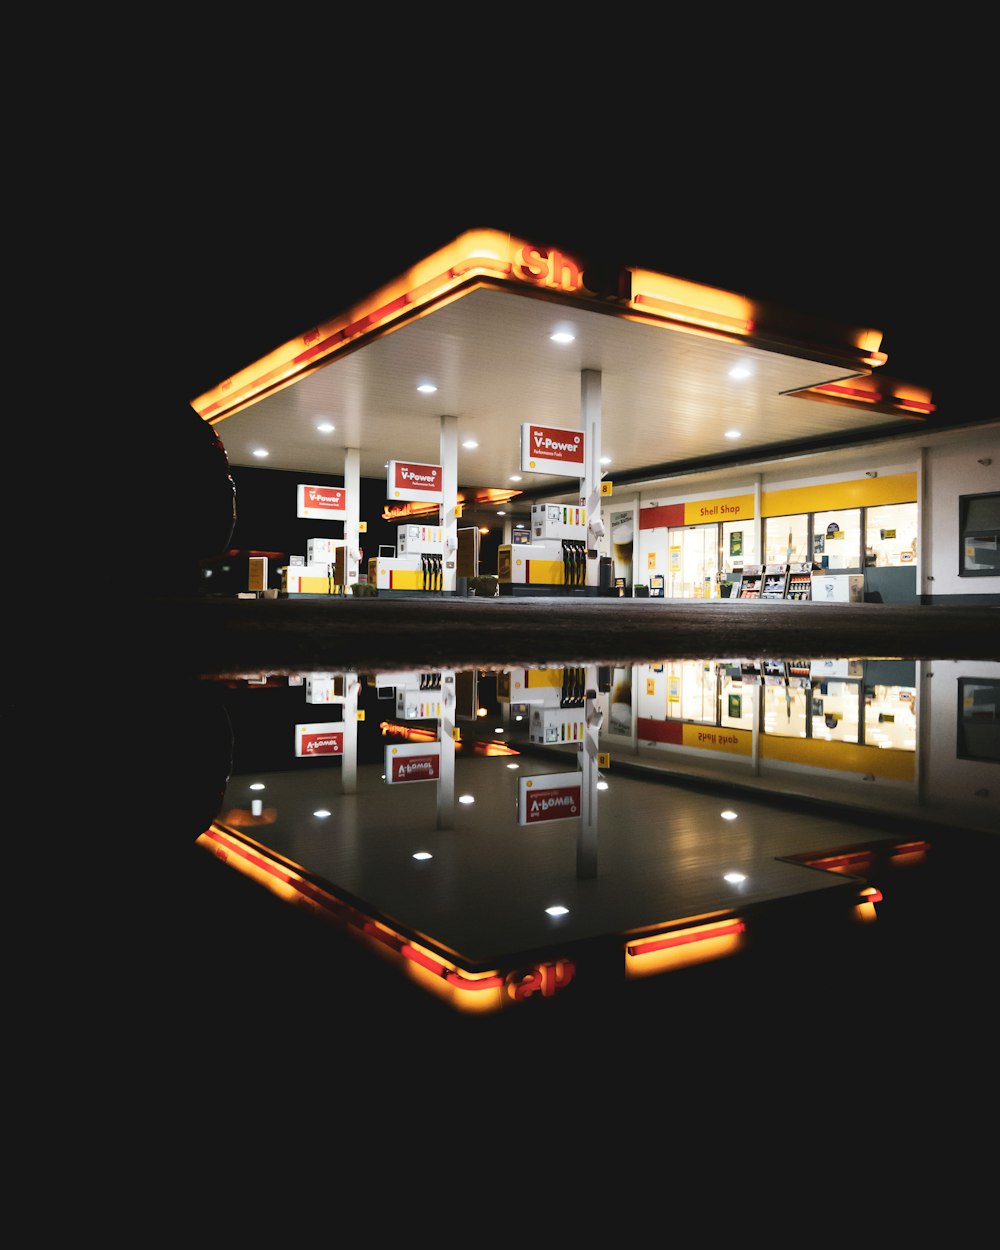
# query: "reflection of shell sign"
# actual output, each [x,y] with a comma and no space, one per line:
[556,796]
[415,481]
[323,502]
[323,739]
[413,761]
[545,449]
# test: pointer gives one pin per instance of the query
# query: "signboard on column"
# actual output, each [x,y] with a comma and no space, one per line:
[326,738]
[323,503]
[554,796]
[415,481]
[413,761]
[546,449]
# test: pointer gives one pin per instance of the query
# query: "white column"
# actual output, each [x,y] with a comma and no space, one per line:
[349,763]
[586,847]
[449,499]
[590,421]
[352,536]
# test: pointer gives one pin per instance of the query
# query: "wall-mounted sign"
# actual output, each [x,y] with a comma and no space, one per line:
[323,739]
[324,503]
[412,761]
[415,481]
[545,449]
[555,796]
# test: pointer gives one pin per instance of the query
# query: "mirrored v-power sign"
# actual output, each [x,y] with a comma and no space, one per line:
[554,796]
[545,449]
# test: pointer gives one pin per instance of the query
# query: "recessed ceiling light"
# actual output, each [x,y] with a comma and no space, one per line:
[321,813]
[562,336]
[326,427]
[422,855]
[470,444]
[257,785]
[740,371]
[261,453]
[514,765]
[728,815]
[426,388]
[514,477]
[605,460]
[500,512]
[602,785]
[466,798]
[734,433]
[557,910]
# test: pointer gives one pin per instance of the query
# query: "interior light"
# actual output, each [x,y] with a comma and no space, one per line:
[321,813]
[325,427]
[426,388]
[728,815]
[557,910]
[466,799]
[261,453]
[734,434]
[422,855]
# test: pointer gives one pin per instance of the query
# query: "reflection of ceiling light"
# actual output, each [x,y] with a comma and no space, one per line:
[261,453]
[602,785]
[740,371]
[728,815]
[426,388]
[422,855]
[562,336]
[514,765]
[325,427]
[470,444]
[605,460]
[257,785]
[557,910]
[734,878]
[733,434]
[321,813]
[466,799]
[515,477]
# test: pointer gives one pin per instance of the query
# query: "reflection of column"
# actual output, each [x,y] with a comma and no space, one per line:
[586,847]
[349,774]
[590,420]
[446,765]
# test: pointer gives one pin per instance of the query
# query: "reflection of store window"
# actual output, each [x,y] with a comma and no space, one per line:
[979,519]
[978,719]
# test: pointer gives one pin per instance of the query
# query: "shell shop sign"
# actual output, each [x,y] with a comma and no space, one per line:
[412,761]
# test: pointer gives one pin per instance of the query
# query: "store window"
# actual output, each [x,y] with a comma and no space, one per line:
[739,545]
[837,539]
[979,519]
[978,719]
[891,535]
[692,691]
[786,539]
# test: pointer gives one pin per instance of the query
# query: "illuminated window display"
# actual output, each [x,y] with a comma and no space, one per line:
[837,539]
[786,539]
[891,535]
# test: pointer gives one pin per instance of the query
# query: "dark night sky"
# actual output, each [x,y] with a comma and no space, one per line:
[246,255]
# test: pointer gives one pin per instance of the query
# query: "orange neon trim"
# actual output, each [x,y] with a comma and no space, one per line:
[686,937]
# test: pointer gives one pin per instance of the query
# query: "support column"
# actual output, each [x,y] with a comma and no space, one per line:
[352,534]
[449,500]
[446,765]
[586,847]
[590,421]
[349,761]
